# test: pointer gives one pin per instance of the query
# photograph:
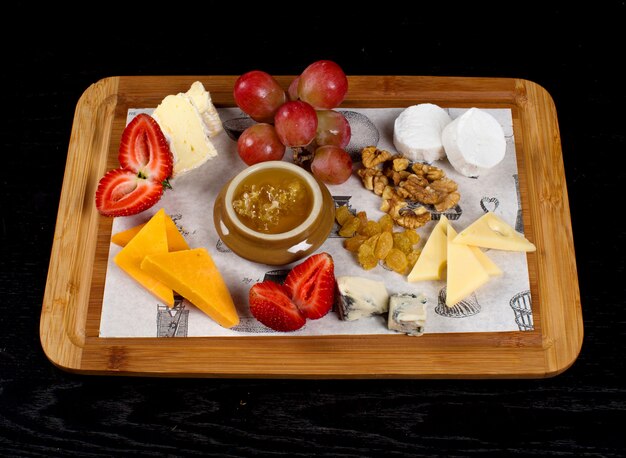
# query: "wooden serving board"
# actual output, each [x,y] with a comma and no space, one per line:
[73,297]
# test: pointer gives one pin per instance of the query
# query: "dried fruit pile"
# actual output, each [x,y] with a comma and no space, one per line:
[375,241]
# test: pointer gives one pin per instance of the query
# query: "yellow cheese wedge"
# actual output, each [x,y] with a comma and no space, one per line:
[491,267]
[490,231]
[194,275]
[432,261]
[175,240]
[151,239]
[465,272]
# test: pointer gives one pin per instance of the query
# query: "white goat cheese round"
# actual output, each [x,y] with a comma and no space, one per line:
[417,132]
[474,142]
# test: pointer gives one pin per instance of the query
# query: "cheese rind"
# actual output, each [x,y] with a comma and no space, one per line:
[151,239]
[175,240]
[186,132]
[491,231]
[465,273]
[359,297]
[407,313]
[474,142]
[194,275]
[432,260]
[417,132]
[201,99]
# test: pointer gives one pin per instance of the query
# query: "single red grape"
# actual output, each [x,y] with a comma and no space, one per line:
[260,143]
[332,129]
[331,164]
[258,95]
[293,89]
[296,123]
[323,84]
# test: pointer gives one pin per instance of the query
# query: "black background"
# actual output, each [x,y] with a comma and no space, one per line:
[48,61]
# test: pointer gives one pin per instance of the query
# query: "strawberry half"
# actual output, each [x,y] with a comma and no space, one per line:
[146,164]
[144,149]
[121,193]
[271,305]
[311,285]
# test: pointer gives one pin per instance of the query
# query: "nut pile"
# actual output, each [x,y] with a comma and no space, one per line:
[375,241]
[400,183]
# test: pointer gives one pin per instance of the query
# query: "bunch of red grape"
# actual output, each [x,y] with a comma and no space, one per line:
[304,117]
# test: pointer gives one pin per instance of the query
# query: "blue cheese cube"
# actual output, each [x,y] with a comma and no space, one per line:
[360,297]
[407,313]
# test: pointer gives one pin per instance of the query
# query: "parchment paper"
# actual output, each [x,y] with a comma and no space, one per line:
[503,304]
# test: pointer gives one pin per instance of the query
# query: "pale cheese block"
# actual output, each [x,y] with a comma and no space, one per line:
[151,239]
[417,132]
[407,313]
[491,231]
[465,273]
[474,142]
[186,132]
[194,275]
[432,261]
[201,98]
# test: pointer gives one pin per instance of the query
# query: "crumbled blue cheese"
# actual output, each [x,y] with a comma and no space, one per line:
[407,313]
[360,297]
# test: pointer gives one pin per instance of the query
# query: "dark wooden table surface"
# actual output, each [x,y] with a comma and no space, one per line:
[574,53]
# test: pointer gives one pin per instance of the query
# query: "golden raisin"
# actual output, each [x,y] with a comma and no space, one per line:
[349,228]
[412,257]
[353,243]
[386,223]
[370,228]
[402,242]
[366,257]
[383,245]
[342,214]
[371,241]
[412,235]
[396,260]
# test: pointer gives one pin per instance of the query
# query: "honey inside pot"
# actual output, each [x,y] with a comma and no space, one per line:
[272,201]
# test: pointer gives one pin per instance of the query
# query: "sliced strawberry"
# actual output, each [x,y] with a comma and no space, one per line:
[144,149]
[271,305]
[121,193]
[311,285]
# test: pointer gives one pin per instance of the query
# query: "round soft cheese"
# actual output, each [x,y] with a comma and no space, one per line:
[474,142]
[417,132]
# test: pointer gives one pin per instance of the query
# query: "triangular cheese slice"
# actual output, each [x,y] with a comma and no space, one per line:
[175,240]
[194,275]
[490,231]
[465,272]
[186,132]
[432,260]
[491,267]
[151,239]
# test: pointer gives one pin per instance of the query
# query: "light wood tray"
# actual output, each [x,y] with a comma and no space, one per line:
[73,297]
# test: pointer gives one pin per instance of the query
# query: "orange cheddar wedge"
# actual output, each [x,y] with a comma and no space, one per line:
[175,240]
[151,239]
[194,275]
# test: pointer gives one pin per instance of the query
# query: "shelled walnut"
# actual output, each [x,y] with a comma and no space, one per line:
[401,182]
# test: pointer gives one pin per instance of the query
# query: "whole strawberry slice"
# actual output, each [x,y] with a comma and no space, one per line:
[144,149]
[311,285]
[271,305]
[146,163]
[121,193]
